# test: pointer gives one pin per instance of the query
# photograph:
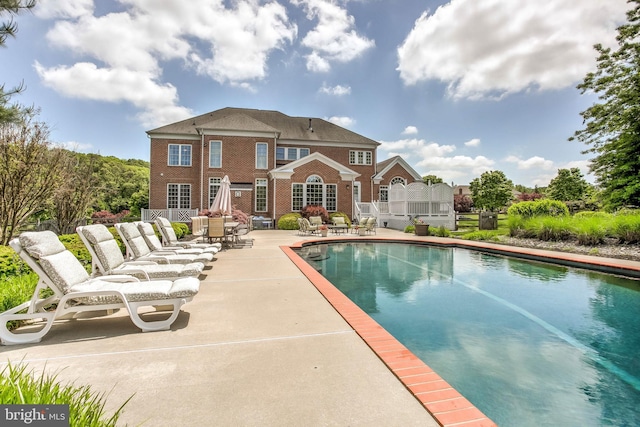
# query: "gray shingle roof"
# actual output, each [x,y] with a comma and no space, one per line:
[244,119]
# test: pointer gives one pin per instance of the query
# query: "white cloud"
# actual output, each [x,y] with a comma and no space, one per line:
[410,130]
[337,90]
[74,146]
[342,121]
[535,162]
[491,48]
[48,9]
[475,142]
[123,52]
[333,38]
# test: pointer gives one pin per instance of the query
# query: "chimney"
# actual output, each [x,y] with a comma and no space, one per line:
[310,128]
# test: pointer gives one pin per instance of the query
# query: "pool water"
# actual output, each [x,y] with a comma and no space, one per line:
[530,344]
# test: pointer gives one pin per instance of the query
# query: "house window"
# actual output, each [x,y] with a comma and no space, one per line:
[297,197]
[398,180]
[360,158]
[179,155]
[261,155]
[314,192]
[215,154]
[214,186]
[261,195]
[291,153]
[179,196]
[384,193]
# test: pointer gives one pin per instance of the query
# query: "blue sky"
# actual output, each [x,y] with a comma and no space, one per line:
[456,87]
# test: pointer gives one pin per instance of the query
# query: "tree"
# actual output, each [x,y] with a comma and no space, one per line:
[30,172]
[432,178]
[568,185]
[462,203]
[11,112]
[492,191]
[612,126]
[76,193]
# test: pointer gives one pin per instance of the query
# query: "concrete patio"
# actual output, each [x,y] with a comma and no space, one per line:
[258,346]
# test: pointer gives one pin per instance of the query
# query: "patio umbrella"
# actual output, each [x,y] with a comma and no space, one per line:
[222,201]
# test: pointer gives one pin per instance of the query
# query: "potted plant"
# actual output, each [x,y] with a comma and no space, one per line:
[420,227]
[324,230]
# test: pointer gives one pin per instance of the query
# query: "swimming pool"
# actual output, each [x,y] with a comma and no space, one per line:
[527,343]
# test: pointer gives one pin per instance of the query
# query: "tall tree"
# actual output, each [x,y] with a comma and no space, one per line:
[568,185]
[432,178]
[612,126]
[492,191]
[11,112]
[30,171]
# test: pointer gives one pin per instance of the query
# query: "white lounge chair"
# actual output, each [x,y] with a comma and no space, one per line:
[154,243]
[107,258]
[169,237]
[138,249]
[74,291]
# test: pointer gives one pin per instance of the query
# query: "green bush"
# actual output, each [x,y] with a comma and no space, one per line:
[590,229]
[410,229]
[442,232]
[10,263]
[289,221]
[541,207]
[484,235]
[592,214]
[86,408]
[180,228]
[626,228]
[550,228]
[16,290]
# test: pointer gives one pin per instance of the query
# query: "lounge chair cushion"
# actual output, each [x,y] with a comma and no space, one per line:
[363,221]
[138,291]
[137,244]
[64,270]
[338,220]
[149,235]
[39,244]
[105,246]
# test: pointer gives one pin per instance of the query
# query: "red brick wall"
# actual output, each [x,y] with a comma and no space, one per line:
[396,171]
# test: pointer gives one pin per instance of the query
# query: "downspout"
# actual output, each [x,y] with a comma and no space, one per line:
[275,149]
[201,168]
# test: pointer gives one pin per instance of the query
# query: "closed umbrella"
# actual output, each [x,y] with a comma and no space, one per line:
[222,201]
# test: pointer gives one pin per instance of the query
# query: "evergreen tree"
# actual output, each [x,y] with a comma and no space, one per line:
[612,126]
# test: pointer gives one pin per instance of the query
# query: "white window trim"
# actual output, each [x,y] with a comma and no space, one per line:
[305,201]
[367,157]
[210,142]
[298,150]
[266,151]
[179,195]
[266,195]
[180,154]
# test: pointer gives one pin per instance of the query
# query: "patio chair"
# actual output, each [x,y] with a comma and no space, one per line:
[169,237]
[241,230]
[74,291]
[315,220]
[107,258]
[154,243]
[310,228]
[216,231]
[362,223]
[199,227]
[370,226]
[137,248]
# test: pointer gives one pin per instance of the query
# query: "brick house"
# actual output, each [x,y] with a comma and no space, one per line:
[276,163]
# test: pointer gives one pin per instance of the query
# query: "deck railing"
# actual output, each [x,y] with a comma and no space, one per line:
[173,215]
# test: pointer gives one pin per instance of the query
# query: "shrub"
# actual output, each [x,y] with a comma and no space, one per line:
[103,217]
[314,210]
[11,264]
[542,207]
[550,228]
[74,244]
[442,232]
[592,214]
[410,229]
[482,235]
[626,228]
[86,408]
[289,221]
[589,230]
[181,229]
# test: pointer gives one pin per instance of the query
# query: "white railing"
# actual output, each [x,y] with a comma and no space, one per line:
[173,215]
[366,209]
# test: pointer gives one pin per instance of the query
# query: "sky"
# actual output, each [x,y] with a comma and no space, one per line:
[456,87]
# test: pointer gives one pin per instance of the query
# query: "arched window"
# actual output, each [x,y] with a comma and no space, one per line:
[314,192]
[398,180]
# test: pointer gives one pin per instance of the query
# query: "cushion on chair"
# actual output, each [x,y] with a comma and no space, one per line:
[64,269]
[41,243]
[149,235]
[104,245]
[338,220]
[137,244]
[363,221]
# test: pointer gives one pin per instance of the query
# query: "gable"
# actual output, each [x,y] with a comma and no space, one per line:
[388,165]
[286,171]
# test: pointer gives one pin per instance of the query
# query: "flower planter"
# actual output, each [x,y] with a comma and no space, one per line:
[324,233]
[422,229]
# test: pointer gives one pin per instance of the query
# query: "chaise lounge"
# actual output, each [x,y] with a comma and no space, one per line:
[107,258]
[74,291]
[169,238]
